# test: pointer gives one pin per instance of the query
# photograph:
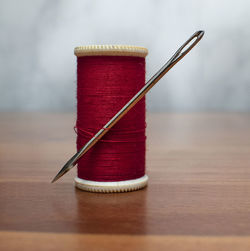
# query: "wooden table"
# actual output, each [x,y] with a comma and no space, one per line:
[198,196]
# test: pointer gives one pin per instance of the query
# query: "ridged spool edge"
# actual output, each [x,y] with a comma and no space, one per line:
[111,187]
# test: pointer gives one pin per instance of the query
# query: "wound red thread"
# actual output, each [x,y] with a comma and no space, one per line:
[104,85]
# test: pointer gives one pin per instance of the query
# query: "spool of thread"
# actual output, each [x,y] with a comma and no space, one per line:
[107,78]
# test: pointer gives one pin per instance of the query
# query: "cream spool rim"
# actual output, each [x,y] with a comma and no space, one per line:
[111,50]
[111,187]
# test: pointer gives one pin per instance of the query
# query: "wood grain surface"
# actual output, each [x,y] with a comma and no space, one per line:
[198,196]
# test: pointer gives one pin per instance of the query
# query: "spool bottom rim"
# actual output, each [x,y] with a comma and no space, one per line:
[111,186]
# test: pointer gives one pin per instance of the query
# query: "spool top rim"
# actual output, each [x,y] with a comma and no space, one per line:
[110,50]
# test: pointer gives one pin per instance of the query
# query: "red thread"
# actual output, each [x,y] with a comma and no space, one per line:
[104,85]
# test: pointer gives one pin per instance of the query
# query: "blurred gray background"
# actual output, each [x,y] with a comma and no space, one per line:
[38,67]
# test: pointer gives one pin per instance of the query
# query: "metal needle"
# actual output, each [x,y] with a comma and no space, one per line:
[178,55]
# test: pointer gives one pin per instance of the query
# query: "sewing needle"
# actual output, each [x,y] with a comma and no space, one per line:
[178,55]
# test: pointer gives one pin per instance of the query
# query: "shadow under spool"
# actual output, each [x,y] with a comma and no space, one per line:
[107,78]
